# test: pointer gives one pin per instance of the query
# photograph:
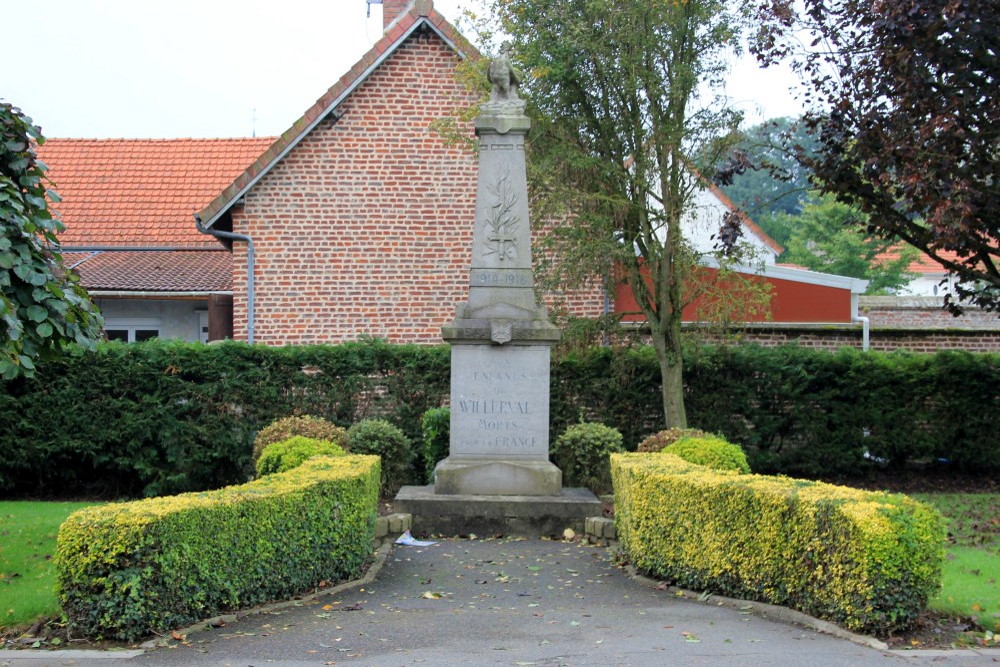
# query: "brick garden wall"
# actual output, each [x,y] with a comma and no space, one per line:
[915,340]
[918,324]
[365,227]
[923,312]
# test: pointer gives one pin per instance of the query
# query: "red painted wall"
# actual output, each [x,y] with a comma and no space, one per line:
[790,302]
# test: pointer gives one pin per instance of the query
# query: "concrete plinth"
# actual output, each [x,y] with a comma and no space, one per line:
[526,516]
[493,477]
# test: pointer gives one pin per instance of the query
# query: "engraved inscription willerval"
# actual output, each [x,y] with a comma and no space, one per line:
[500,404]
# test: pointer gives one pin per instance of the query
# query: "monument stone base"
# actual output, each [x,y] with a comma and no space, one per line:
[522,516]
[497,477]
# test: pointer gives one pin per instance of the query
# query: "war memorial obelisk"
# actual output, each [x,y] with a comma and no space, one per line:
[497,476]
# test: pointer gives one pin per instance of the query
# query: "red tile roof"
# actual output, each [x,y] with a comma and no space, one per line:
[923,264]
[141,192]
[419,12]
[154,271]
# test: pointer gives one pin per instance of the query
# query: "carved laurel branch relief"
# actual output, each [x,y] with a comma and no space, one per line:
[501,239]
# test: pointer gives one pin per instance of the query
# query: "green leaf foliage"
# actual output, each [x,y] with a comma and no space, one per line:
[582,452]
[291,453]
[127,570]
[168,416]
[658,441]
[777,183]
[866,560]
[710,451]
[901,97]
[379,437]
[627,106]
[436,428]
[829,237]
[42,306]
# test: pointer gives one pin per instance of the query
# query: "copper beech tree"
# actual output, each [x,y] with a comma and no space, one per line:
[902,99]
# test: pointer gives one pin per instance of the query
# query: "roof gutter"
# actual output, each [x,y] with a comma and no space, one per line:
[151,294]
[219,234]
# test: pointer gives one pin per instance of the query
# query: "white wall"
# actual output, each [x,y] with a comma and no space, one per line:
[703,221]
[928,284]
[175,318]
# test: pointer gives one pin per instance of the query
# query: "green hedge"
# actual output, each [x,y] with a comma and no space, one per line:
[126,570]
[869,561]
[802,411]
[284,455]
[166,417]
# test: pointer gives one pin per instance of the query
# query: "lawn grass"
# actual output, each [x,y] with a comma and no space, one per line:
[972,557]
[27,574]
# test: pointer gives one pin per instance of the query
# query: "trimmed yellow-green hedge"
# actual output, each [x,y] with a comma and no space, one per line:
[866,560]
[711,451]
[128,569]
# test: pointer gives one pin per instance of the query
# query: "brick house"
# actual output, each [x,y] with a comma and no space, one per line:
[127,205]
[360,214]
[356,221]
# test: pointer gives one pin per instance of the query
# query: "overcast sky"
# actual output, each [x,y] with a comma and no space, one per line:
[208,68]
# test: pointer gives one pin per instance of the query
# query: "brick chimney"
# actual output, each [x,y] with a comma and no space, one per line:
[391,9]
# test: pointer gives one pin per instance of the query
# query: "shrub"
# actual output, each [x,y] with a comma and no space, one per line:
[711,451]
[306,426]
[667,437]
[287,454]
[379,437]
[866,560]
[126,570]
[582,455]
[436,428]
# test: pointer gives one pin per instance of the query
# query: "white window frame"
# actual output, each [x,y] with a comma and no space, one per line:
[133,324]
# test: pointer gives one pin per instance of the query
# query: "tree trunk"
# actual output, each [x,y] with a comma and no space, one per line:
[668,352]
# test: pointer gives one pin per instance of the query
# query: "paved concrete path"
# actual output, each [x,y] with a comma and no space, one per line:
[517,603]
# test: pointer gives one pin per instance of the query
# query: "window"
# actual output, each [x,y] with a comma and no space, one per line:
[131,330]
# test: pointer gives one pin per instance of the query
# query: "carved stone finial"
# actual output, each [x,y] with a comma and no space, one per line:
[506,80]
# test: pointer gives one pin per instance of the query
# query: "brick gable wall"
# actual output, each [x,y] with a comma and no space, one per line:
[365,227]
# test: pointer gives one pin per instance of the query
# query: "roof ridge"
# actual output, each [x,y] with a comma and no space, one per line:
[157,139]
[420,12]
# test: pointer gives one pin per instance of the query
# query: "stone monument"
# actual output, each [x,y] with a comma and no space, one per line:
[498,464]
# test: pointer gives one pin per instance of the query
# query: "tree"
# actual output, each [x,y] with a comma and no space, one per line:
[625,119]
[773,185]
[42,306]
[828,237]
[903,103]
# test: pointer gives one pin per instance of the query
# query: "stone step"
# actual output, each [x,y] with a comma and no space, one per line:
[522,516]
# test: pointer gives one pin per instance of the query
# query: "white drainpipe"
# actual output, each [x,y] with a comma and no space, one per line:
[865,330]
